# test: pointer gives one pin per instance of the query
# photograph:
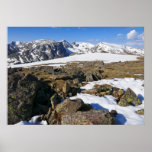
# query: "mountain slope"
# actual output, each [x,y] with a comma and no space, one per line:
[19,52]
[102,47]
[80,47]
[116,49]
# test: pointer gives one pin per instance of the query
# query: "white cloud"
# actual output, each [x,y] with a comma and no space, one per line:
[132,35]
[135,39]
[141,36]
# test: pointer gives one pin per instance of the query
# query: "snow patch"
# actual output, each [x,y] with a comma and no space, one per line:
[32,121]
[126,115]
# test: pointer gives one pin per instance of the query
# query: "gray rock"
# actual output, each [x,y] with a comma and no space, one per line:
[92,117]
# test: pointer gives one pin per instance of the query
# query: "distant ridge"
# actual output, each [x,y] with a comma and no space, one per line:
[40,50]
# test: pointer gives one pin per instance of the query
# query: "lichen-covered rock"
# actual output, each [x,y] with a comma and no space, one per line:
[129,98]
[117,93]
[105,89]
[26,97]
[140,112]
[67,107]
[92,117]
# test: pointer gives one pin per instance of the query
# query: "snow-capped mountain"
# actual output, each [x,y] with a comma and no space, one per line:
[66,44]
[116,49]
[102,47]
[40,50]
[81,47]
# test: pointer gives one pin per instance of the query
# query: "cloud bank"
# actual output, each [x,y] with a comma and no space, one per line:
[135,39]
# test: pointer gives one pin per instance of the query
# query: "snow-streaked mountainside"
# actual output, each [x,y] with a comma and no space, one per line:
[116,49]
[81,47]
[40,50]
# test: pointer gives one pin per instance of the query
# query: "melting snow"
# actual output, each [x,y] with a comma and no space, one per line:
[126,115]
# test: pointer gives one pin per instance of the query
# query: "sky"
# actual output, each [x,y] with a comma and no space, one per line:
[129,36]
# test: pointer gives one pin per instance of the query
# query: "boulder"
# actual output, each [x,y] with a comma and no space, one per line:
[67,107]
[140,112]
[105,89]
[26,97]
[129,98]
[92,117]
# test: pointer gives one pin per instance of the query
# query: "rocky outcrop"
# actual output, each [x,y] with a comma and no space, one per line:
[129,98]
[105,89]
[76,112]
[65,88]
[123,98]
[93,75]
[27,96]
[67,107]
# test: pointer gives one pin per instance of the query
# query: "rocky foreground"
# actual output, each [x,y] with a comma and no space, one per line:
[46,91]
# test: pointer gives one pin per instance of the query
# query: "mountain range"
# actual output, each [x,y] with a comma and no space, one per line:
[40,50]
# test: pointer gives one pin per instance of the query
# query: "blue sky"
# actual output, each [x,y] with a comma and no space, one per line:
[131,36]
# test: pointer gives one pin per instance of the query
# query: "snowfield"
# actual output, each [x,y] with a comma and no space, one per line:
[105,57]
[126,115]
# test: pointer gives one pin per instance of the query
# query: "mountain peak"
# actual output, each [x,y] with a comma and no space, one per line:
[14,43]
[66,44]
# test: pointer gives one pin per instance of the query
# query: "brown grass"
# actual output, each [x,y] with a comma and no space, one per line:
[124,69]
